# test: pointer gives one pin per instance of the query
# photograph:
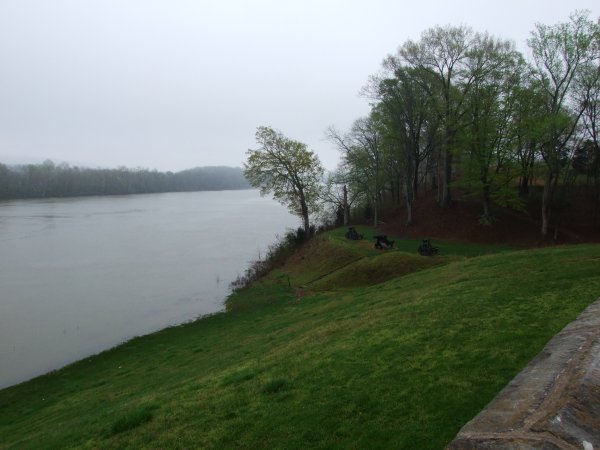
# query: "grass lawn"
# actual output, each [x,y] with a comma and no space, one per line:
[399,361]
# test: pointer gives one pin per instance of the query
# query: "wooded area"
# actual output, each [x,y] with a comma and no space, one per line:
[460,110]
[50,180]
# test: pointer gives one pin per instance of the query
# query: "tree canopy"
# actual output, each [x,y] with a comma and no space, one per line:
[287,169]
[462,110]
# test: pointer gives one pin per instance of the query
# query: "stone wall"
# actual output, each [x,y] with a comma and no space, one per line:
[554,403]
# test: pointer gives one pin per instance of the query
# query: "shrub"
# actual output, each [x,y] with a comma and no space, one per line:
[276,255]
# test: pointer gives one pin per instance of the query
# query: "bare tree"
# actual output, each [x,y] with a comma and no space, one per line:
[363,159]
[336,193]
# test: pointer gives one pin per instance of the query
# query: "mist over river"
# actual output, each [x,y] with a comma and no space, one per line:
[80,275]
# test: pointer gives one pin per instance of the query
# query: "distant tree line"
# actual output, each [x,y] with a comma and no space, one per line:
[462,110]
[51,180]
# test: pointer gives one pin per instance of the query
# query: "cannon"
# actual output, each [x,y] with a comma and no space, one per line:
[382,242]
[353,234]
[426,249]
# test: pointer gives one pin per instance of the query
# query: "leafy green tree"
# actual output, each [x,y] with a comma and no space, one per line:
[588,153]
[288,170]
[588,97]
[560,52]
[488,137]
[444,51]
[407,107]
[466,107]
[527,115]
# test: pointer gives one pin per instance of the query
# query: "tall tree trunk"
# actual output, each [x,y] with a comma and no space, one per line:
[527,171]
[524,186]
[486,209]
[409,196]
[446,200]
[597,207]
[306,223]
[416,179]
[546,199]
[304,211]
[486,218]
[346,207]
[439,176]
[375,212]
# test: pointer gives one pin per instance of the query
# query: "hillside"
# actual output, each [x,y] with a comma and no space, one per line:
[575,222]
[343,346]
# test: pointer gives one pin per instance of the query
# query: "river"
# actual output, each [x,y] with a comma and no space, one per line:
[81,275]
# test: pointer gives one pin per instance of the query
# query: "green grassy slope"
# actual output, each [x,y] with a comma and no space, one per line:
[403,363]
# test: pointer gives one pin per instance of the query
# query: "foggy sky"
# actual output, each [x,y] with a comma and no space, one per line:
[175,84]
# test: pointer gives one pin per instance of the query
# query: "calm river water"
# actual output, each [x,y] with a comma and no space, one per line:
[78,276]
